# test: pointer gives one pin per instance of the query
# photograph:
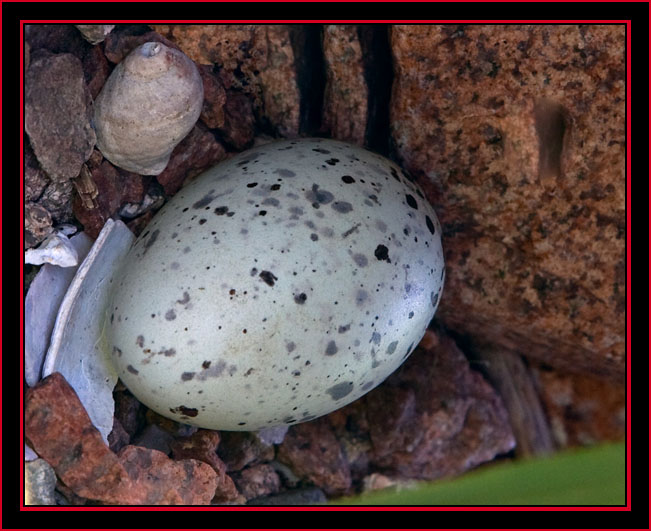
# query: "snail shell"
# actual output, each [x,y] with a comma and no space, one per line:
[149,103]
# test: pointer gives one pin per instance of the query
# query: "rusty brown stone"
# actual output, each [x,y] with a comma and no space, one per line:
[345,106]
[57,114]
[312,452]
[118,438]
[214,98]
[158,480]
[517,133]
[202,446]
[198,151]
[60,431]
[256,481]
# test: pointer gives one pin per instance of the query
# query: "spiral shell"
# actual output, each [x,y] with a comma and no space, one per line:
[149,103]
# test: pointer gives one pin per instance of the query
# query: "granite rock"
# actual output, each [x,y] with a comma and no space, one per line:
[345,106]
[57,114]
[95,33]
[517,133]
[35,179]
[313,452]
[57,199]
[304,496]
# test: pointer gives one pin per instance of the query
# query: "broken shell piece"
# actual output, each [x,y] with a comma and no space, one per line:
[30,454]
[42,304]
[95,33]
[56,250]
[77,348]
[149,103]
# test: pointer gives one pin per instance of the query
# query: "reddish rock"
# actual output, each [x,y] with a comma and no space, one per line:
[214,98]
[435,417]
[60,431]
[241,448]
[57,114]
[345,105]
[518,134]
[256,481]
[197,152]
[114,187]
[38,225]
[202,446]
[158,480]
[129,412]
[313,452]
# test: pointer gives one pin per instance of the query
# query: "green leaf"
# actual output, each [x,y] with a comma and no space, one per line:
[587,476]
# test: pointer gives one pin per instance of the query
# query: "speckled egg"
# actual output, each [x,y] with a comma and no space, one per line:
[278,286]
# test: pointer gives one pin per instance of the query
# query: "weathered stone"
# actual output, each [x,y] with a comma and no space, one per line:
[313,453]
[155,438]
[35,179]
[239,122]
[57,38]
[57,200]
[214,98]
[257,481]
[128,411]
[255,59]
[582,409]
[96,70]
[40,481]
[159,480]
[38,225]
[435,417]
[59,430]
[57,114]
[118,438]
[345,106]
[196,152]
[242,448]
[518,135]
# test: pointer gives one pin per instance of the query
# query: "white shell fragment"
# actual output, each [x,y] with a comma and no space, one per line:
[42,305]
[77,349]
[56,250]
[149,103]
[278,286]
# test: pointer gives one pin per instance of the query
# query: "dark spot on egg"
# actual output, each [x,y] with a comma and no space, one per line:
[318,197]
[140,341]
[344,328]
[347,179]
[331,349]
[204,201]
[252,185]
[187,411]
[340,390]
[220,211]
[284,173]
[314,237]
[392,347]
[360,260]
[411,201]
[343,207]
[429,224]
[152,238]
[170,315]
[300,299]
[187,376]
[268,277]
[382,253]
[131,369]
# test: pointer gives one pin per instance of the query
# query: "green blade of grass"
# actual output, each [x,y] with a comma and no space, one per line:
[590,476]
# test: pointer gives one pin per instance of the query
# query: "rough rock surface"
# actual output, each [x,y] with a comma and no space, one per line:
[59,430]
[313,453]
[257,481]
[582,409]
[518,135]
[38,225]
[345,106]
[40,481]
[198,151]
[256,59]
[57,114]
[435,417]
[240,448]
